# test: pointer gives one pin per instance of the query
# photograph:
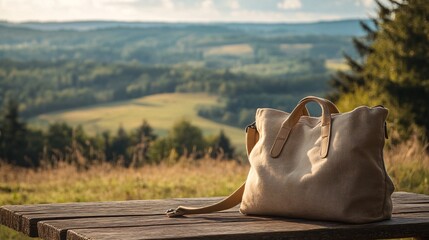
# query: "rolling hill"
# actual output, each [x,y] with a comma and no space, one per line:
[95,73]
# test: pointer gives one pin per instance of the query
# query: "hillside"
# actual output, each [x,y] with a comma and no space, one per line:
[173,43]
[57,66]
[160,110]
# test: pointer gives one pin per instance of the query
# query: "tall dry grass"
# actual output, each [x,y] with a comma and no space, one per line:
[105,182]
[408,166]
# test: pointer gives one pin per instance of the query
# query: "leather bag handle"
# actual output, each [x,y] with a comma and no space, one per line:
[332,107]
[305,112]
[293,119]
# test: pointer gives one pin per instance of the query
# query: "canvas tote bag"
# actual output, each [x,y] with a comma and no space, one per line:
[321,168]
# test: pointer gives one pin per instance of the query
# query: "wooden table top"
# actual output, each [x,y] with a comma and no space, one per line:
[145,219]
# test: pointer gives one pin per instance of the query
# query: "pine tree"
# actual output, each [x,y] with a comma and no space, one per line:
[186,138]
[107,148]
[222,146]
[120,145]
[344,82]
[393,68]
[145,132]
[144,136]
[402,63]
[13,132]
[60,137]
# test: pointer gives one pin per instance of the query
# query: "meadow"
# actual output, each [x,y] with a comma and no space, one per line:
[162,111]
[233,49]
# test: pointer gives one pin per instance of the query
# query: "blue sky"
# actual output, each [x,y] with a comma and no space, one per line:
[185,10]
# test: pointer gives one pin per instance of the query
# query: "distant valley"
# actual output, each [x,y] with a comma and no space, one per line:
[61,66]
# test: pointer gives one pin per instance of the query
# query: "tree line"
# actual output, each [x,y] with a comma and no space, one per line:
[23,146]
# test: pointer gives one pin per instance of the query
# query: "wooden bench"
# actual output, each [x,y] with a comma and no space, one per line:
[144,219]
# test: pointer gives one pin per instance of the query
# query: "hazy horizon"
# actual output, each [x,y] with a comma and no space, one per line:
[185,11]
[175,22]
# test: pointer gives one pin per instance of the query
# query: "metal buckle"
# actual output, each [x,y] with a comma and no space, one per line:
[173,212]
[252,125]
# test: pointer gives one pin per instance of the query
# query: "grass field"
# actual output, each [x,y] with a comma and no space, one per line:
[272,69]
[336,65]
[233,49]
[295,49]
[161,111]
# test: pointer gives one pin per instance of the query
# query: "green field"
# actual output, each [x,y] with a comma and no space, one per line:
[336,65]
[233,49]
[160,110]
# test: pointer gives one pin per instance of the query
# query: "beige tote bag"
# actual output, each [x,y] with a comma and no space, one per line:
[322,168]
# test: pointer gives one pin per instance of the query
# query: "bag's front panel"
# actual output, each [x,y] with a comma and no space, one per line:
[348,185]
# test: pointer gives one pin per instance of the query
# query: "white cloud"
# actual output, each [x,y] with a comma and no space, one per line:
[161,10]
[289,4]
[169,4]
[207,4]
[233,4]
[367,3]
[274,16]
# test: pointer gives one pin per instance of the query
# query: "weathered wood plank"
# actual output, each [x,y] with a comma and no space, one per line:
[8,218]
[409,198]
[264,228]
[55,207]
[410,208]
[108,219]
[57,229]
[24,218]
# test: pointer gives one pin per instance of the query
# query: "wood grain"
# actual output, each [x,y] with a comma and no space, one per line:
[145,219]
[24,218]
[272,229]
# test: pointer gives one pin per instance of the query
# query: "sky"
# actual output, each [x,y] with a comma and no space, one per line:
[185,10]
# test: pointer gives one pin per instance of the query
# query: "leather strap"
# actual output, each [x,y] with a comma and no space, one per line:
[252,136]
[294,117]
[227,203]
[332,107]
